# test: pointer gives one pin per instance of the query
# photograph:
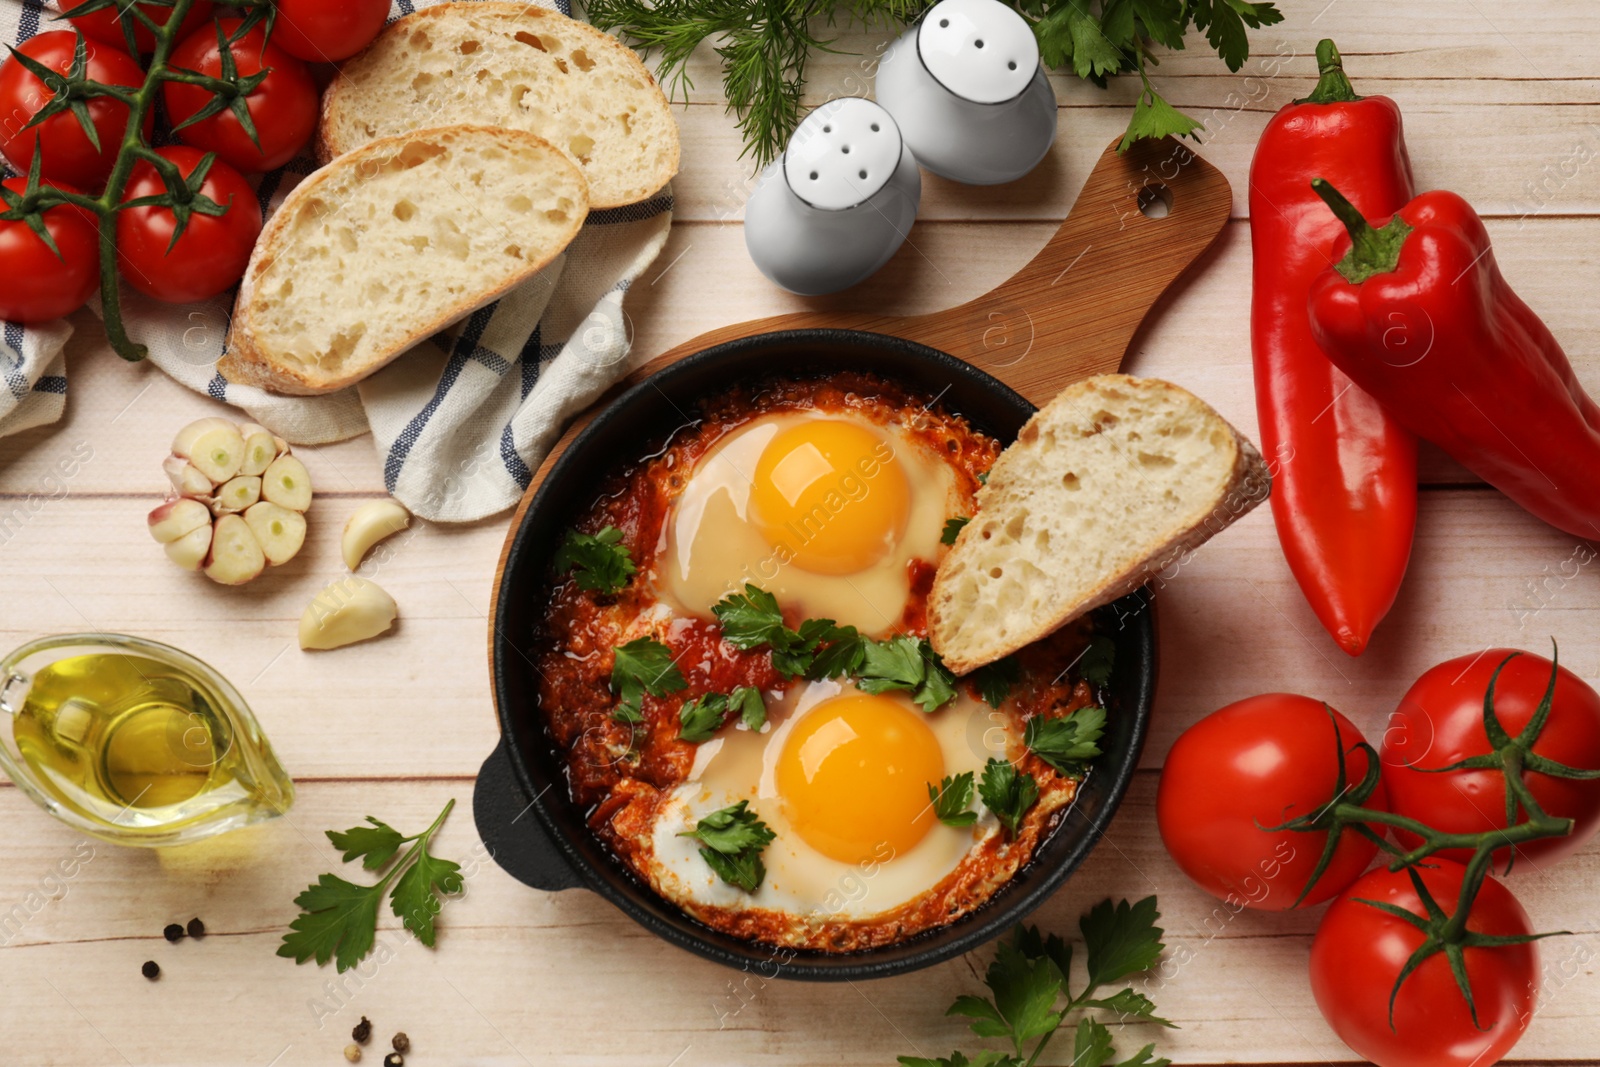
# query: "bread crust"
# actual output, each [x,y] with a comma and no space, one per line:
[1248,484]
[246,363]
[333,113]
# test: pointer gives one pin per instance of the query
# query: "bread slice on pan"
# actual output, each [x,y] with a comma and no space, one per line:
[1114,479]
[391,243]
[515,65]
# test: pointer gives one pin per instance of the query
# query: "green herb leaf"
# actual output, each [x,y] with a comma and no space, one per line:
[843,650]
[986,1058]
[747,701]
[908,663]
[952,530]
[952,800]
[1007,792]
[1025,992]
[1066,742]
[1224,21]
[1146,1057]
[1130,1004]
[752,619]
[700,718]
[1091,1045]
[1035,945]
[643,665]
[1121,939]
[1154,118]
[339,920]
[733,838]
[1097,660]
[378,843]
[598,562]
[996,680]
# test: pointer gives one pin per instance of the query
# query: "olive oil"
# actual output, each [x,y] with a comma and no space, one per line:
[145,747]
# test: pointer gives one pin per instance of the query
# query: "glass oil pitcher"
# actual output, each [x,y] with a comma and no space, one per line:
[134,742]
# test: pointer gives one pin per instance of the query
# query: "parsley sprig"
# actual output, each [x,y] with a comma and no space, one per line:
[339,919]
[731,843]
[599,562]
[1067,742]
[764,47]
[952,800]
[1008,792]
[643,665]
[1031,997]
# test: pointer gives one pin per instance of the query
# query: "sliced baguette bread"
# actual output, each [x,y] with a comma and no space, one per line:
[1113,480]
[514,65]
[391,243]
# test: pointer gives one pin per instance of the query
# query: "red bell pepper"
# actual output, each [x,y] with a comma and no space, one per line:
[1418,314]
[1344,493]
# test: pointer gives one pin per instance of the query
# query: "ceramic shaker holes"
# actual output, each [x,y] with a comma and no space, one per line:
[838,203]
[965,86]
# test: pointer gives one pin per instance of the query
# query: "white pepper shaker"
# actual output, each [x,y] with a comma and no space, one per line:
[837,204]
[965,86]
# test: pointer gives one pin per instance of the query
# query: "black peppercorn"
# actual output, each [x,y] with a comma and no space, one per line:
[173,932]
[401,1042]
[151,970]
[363,1031]
[197,928]
[394,1059]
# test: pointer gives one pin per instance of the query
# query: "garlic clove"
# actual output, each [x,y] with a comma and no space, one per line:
[371,523]
[190,550]
[177,518]
[214,447]
[236,556]
[349,610]
[236,494]
[185,479]
[279,531]
[260,449]
[287,483]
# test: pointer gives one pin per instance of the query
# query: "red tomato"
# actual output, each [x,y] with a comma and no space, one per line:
[68,154]
[1440,721]
[1358,953]
[283,107]
[214,250]
[40,285]
[103,25]
[320,32]
[1261,762]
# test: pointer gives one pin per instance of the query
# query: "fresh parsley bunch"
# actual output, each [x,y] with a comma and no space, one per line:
[764,45]
[1031,995]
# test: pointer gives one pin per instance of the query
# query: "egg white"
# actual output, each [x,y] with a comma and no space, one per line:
[741,764]
[712,547]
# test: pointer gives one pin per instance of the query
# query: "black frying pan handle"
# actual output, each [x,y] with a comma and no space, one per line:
[516,838]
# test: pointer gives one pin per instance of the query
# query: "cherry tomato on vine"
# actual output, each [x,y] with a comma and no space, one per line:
[40,285]
[103,25]
[1261,762]
[283,107]
[213,251]
[69,155]
[320,32]
[1358,953]
[1440,722]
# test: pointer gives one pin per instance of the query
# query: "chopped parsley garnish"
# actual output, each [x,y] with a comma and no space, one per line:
[907,663]
[1007,792]
[752,709]
[643,665]
[752,618]
[1068,741]
[952,800]
[732,840]
[996,680]
[1097,660]
[598,562]
[700,718]
[952,530]
[842,650]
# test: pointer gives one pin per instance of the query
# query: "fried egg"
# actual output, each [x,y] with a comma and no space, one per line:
[841,777]
[825,510]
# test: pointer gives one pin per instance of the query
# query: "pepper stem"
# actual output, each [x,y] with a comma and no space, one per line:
[1373,250]
[1333,85]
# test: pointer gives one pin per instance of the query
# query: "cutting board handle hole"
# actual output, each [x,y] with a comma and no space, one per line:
[1155,201]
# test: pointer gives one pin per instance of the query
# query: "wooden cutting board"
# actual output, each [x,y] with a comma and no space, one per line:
[1069,314]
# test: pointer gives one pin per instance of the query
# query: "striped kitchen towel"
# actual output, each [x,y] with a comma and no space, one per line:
[460,422]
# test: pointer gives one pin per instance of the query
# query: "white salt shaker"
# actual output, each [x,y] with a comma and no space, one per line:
[837,204]
[965,86]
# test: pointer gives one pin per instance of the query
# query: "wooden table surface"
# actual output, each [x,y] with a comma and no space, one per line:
[1501,103]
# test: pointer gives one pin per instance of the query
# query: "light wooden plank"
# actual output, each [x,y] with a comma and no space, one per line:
[520,976]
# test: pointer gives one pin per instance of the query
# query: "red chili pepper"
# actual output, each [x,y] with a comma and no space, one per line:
[1344,493]
[1418,314]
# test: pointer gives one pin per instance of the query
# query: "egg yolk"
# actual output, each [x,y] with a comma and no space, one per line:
[853,777]
[833,494]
